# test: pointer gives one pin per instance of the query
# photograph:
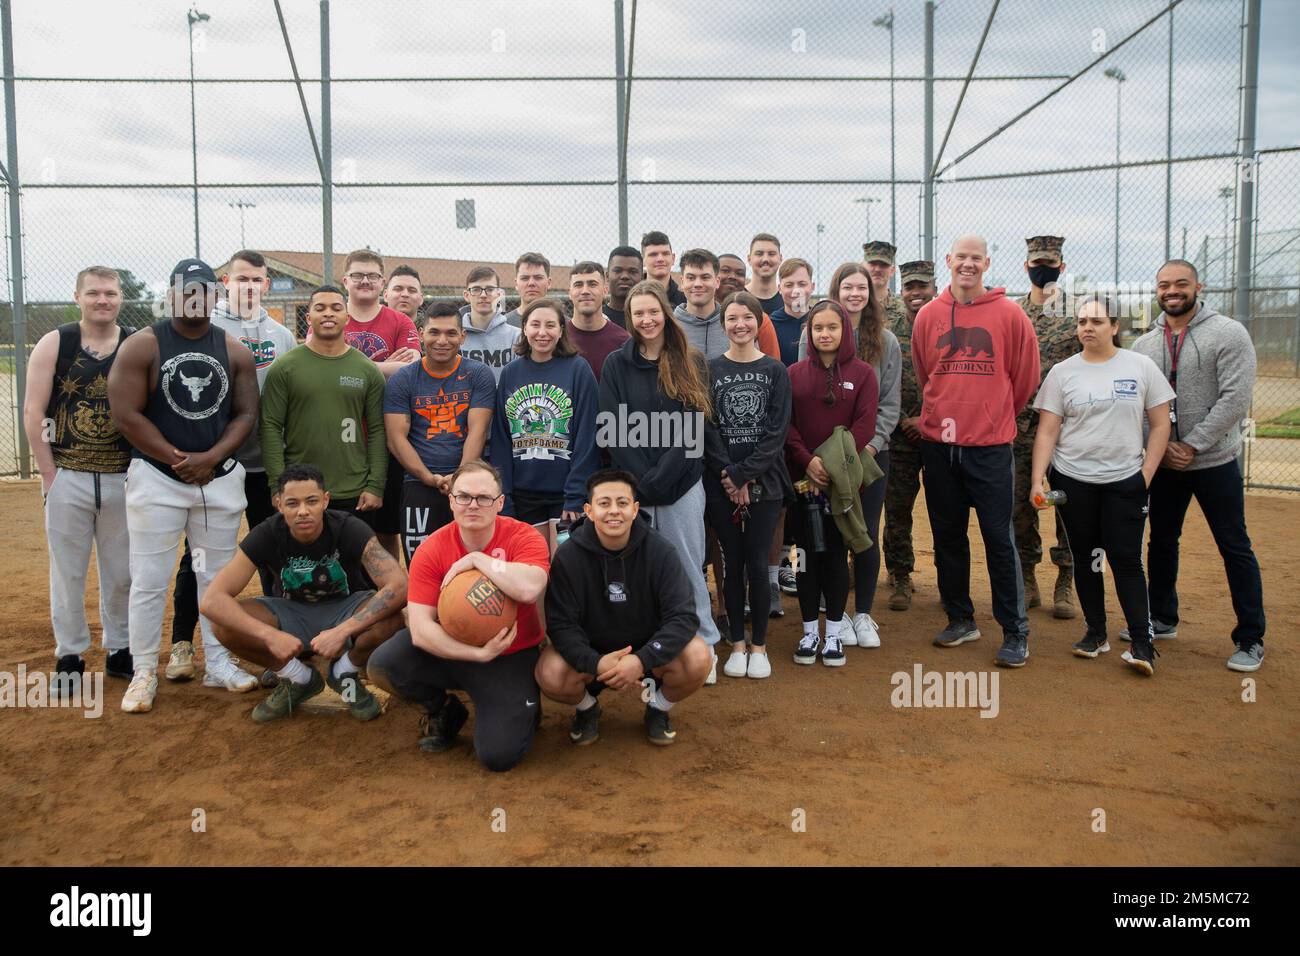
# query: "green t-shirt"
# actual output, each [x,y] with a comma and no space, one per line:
[328,412]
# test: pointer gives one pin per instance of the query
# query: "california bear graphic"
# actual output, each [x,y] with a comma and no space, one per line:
[973,342]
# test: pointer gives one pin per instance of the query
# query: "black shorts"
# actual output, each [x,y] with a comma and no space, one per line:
[536,507]
[424,511]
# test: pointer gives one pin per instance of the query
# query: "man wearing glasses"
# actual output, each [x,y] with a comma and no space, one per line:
[489,338]
[423,663]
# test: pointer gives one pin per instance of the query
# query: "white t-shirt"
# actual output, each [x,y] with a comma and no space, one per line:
[1103,406]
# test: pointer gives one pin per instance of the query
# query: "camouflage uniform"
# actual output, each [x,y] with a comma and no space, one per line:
[1055,326]
[903,483]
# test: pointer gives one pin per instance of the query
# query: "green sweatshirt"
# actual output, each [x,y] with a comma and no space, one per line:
[328,412]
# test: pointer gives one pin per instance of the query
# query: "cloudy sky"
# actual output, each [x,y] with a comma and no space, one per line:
[253,144]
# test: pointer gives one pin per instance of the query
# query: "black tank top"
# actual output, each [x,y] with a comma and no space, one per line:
[191,403]
[84,437]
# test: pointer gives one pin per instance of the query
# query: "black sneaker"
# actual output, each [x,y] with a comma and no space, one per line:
[67,674]
[586,726]
[786,580]
[438,731]
[658,728]
[957,632]
[1091,645]
[1141,657]
[1159,629]
[1013,652]
[118,664]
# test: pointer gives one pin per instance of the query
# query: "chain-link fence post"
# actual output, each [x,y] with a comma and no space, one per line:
[15,243]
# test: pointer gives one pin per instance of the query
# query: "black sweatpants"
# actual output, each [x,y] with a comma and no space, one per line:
[424,511]
[504,693]
[185,595]
[744,561]
[958,478]
[1107,518]
[820,573]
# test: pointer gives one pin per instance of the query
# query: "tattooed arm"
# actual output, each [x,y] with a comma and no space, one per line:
[389,598]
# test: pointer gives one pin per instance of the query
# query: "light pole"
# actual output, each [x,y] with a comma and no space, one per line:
[1116,74]
[867,201]
[820,229]
[1225,193]
[241,206]
[193,16]
[887,21]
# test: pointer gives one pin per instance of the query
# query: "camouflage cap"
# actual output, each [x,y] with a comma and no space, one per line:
[1044,247]
[919,270]
[878,251]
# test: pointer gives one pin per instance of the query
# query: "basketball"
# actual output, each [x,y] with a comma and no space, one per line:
[472,609]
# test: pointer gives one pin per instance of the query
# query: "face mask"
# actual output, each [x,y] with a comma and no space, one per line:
[1043,276]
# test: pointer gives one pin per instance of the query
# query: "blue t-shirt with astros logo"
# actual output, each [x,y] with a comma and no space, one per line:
[438,406]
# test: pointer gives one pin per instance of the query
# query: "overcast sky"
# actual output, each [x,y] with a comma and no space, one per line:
[403,131]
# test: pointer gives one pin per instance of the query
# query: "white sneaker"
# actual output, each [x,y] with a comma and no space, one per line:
[759,666]
[224,672]
[736,663]
[139,696]
[848,636]
[867,630]
[180,666]
[713,670]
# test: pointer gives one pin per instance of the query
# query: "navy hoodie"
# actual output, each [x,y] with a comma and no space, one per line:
[599,601]
[544,428]
[788,330]
[629,385]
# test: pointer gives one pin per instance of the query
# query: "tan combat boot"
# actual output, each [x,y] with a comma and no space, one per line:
[901,599]
[1032,598]
[1063,595]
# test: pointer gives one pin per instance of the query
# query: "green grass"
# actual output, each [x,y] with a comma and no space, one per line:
[1286,425]
[1287,418]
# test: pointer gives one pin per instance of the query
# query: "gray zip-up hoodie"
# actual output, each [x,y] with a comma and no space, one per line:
[267,339]
[706,335]
[494,346]
[1216,379]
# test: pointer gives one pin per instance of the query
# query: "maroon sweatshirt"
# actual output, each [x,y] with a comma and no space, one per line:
[857,393]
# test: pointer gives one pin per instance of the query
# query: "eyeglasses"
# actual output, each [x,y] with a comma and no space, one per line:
[483,501]
[359,277]
[477,290]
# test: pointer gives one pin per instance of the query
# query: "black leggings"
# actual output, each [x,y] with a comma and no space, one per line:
[820,573]
[744,559]
[1107,518]
[866,566]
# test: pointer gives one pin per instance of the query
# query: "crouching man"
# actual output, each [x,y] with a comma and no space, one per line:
[423,664]
[619,609]
[338,593]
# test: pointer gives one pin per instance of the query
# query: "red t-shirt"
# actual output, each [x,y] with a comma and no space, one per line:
[383,335]
[512,541]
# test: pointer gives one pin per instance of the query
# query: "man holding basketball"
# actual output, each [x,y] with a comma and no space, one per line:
[422,663]
[620,609]
[338,593]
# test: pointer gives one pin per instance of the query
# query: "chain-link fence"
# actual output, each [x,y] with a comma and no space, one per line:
[570,126]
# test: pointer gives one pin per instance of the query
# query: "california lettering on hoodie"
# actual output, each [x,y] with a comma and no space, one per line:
[976,366]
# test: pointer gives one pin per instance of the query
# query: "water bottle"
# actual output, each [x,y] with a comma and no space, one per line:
[561,533]
[1050,499]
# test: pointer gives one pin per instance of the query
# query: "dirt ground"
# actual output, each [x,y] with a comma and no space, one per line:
[1184,770]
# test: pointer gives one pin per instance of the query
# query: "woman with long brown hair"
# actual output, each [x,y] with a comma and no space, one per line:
[654,401]
[876,345]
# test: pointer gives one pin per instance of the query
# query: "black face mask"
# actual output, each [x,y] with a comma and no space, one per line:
[1043,276]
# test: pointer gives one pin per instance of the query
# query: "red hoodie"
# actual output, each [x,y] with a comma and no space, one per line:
[857,393]
[976,366]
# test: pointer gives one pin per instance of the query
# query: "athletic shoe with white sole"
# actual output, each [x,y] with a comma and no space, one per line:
[736,664]
[1141,657]
[1014,651]
[139,696]
[658,728]
[180,665]
[957,632]
[806,652]
[713,669]
[833,651]
[758,667]
[224,672]
[585,728]
[1091,645]
[785,579]
[1247,659]
[867,630]
[1160,631]
[848,636]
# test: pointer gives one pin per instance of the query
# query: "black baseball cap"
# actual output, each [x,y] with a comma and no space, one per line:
[189,272]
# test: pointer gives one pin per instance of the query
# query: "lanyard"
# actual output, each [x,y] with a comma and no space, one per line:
[1174,353]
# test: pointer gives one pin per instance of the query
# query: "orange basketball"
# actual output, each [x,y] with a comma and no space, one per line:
[472,609]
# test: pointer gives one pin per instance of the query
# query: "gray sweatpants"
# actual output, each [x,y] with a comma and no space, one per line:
[682,523]
[72,525]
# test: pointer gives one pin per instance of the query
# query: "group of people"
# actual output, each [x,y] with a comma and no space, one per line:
[594,461]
